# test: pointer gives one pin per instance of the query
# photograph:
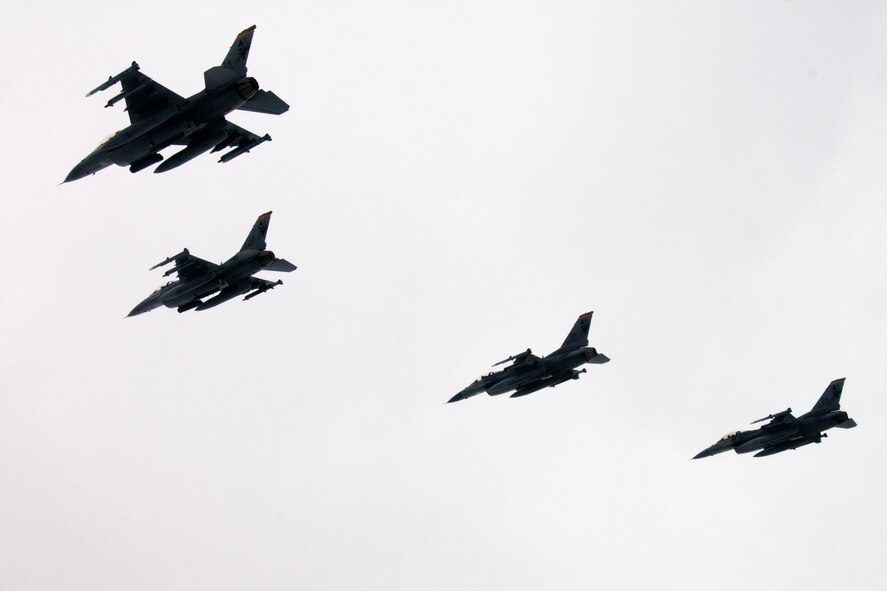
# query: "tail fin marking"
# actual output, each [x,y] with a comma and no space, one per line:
[831,398]
[578,336]
[256,238]
[239,52]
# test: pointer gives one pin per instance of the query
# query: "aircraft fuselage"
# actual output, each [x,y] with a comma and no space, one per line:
[138,145]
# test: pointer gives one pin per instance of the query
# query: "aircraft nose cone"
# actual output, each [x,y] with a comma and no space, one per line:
[464,394]
[140,309]
[89,165]
[703,454]
[77,173]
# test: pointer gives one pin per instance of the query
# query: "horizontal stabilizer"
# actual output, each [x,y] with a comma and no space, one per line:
[848,424]
[266,102]
[599,358]
[282,265]
[218,76]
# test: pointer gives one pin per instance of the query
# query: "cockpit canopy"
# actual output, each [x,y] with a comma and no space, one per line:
[483,375]
[161,287]
[729,435]
[106,139]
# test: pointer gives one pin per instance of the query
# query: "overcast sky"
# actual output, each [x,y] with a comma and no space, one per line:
[457,182]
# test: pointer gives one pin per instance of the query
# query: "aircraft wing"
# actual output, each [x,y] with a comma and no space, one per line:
[144,97]
[240,139]
[783,419]
[190,267]
[529,359]
[780,418]
[187,266]
[525,358]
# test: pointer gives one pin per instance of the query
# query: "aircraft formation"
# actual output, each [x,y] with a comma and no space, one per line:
[160,118]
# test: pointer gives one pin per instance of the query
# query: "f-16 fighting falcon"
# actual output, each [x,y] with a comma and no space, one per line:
[198,278]
[160,118]
[530,373]
[785,431]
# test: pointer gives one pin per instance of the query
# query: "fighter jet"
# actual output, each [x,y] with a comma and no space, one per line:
[785,431]
[529,373]
[160,118]
[198,278]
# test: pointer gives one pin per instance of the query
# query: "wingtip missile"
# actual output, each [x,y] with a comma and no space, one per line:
[123,94]
[772,416]
[101,87]
[513,357]
[178,268]
[112,80]
[168,260]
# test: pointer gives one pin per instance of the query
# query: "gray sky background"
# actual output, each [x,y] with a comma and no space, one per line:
[457,182]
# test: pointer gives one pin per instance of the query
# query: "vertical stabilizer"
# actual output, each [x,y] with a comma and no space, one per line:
[831,398]
[256,238]
[578,336]
[236,58]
